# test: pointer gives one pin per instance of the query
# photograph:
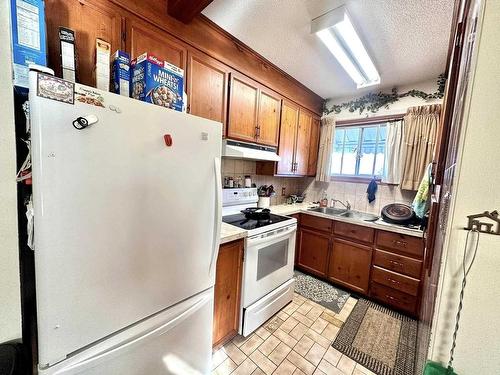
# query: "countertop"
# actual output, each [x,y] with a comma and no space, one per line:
[232,233]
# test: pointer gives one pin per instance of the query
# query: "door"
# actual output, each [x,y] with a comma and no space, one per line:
[104,198]
[288,132]
[269,118]
[313,251]
[313,147]
[207,87]
[176,341]
[90,19]
[302,147]
[143,37]
[227,292]
[243,109]
[350,265]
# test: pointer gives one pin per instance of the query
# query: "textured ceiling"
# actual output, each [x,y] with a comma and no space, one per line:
[407,39]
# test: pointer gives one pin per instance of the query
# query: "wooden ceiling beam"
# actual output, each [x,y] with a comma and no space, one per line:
[186,10]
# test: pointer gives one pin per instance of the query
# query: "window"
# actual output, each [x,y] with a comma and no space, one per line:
[359,151]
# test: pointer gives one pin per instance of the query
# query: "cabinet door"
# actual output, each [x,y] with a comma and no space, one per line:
[288,133]
[227,292]
[313,251]
[89,20]
[207,87]
[350,265]
[269,118]
[313,147]
[243,108]
[144,37]
[302,143]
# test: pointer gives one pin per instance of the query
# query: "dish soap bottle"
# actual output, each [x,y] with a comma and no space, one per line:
[324,201]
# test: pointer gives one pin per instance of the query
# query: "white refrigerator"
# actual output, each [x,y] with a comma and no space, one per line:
[127,215]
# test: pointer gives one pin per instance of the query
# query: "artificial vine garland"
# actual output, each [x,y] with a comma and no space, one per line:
[372,102]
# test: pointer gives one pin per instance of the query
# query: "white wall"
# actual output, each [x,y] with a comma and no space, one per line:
[398,107]
[10,305]
[478,343]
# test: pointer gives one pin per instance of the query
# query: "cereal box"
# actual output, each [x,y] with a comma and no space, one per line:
[158,82]
[120,73]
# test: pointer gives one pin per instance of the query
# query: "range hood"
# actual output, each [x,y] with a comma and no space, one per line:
[243,150]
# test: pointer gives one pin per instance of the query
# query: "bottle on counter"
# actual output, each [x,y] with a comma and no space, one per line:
[230,182]
[324,201]
[248,181]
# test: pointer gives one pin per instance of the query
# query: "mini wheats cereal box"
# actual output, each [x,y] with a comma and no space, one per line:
[120,73]
[158,82]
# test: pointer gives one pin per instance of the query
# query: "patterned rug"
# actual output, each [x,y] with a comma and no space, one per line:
[320,292]
[382,340]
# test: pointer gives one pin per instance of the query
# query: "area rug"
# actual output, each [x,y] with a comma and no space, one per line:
[320,292]
[382,340]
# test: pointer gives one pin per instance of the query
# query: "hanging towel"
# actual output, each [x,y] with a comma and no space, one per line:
[371,190]
[421,202]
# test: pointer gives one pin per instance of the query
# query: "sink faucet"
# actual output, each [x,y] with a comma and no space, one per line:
[347,205]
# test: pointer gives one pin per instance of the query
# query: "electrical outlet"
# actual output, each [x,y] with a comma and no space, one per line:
[283,191]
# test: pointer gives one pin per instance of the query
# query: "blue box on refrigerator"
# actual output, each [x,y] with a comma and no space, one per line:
[28,37]
[158,82]
[120,73]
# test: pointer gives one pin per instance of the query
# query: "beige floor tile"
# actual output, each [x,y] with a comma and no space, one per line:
[258,371]
[225,368]
[302,318]
[318,338]
[290,308]
[285,368]
[328,368]
[273,324]
[263,362]
[346,365]
[251,344]
[279,353]
[299,361]
[304,308]
[342,316]
[218,357]
[319,325]
[289,324]
[269,345]
[303,346]
[318,372]
[330,332]
[263,333]
[315,354]
[315,313]
[234,353]
[285,337]
[282,315]
[298,372]
[299,331]
[331,319]
[246,368]
[333,356]
[362,370]
[239,340]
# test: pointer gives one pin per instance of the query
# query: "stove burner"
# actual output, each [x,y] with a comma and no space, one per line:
[253,218]
[259,214]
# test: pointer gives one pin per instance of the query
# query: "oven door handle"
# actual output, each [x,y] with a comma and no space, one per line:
[273,238]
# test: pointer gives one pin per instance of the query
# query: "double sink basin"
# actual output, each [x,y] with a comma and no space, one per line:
[341,212]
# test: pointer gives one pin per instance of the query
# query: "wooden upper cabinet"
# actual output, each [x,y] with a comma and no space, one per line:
[90,20]
[143,37]
[302,143]
[288,132]
[243,109]
[207,87]
[313,147]
[268,121]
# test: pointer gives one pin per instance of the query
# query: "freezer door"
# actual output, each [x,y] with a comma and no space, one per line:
[177,341]
[127,215]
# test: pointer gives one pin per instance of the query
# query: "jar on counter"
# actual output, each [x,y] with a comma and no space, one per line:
[230,182]
[248,181]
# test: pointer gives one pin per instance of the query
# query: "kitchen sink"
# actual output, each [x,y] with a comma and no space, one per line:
[329,210]
[359,215]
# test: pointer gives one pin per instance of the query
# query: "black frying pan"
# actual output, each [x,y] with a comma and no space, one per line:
[398,213]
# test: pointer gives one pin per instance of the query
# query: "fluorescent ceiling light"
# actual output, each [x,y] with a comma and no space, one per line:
[336,31]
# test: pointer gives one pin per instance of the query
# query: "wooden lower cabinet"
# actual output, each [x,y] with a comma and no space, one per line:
[313,251]
[350,265]
[227,292]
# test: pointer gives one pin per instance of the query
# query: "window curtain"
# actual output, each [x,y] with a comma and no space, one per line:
[394,152]
[325,149]
[421,130]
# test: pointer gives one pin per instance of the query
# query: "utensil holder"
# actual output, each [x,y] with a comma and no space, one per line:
[264,202]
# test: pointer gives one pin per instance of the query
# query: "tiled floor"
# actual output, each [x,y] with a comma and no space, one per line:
[297,340]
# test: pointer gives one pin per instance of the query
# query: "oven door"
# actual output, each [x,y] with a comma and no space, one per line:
[269,259]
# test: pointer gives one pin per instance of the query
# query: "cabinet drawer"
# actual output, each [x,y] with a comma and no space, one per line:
[395,280]
[397,263]
[407,244]
[393,298]
[355,232]
[317,223]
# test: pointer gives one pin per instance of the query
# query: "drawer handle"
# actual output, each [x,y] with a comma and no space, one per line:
[400,243]
[393,262]
[391,298]
[394,281]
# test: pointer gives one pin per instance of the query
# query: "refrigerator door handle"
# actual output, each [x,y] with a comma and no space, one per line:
[218,215]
